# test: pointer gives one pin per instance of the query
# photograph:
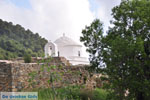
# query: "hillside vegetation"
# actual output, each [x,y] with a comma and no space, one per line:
[15,41]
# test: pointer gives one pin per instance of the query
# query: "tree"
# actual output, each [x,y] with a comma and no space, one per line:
[91,38]
[126,51]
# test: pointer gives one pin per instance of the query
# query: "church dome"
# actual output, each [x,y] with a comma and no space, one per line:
[65,41]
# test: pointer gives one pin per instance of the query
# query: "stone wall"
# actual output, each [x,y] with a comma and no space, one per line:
[14,76]
[5,76]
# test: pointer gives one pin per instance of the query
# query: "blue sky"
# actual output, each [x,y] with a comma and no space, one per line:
[21,3]
[93,5]
[26,4]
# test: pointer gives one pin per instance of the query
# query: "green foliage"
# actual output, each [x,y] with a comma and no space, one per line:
[27,58]
[97,94]
[15,41]
[126,51]
[92,36]
[72,93]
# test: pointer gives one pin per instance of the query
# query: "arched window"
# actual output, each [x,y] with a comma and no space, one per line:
[50,47]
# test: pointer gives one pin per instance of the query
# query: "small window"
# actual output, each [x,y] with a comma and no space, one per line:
[79,53]
[58,53]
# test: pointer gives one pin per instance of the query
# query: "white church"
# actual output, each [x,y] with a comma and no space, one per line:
[66,47]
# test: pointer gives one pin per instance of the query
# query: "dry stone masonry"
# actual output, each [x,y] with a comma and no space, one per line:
[14,76]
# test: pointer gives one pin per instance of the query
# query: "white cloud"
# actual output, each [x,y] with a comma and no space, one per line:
[50,18]
[104,10]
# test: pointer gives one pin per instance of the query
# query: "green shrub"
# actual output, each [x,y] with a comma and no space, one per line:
[97,94]
[27,58]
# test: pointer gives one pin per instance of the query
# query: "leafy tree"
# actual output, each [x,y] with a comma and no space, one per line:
[92,36]
[126,51]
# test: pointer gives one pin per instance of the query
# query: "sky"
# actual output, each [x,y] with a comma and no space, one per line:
[52,18]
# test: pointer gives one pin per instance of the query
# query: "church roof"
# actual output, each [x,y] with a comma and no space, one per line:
[65,41]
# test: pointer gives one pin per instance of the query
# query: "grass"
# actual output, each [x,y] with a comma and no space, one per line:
[71,93]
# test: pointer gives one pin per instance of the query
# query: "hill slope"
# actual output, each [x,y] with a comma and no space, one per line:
[15,41]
